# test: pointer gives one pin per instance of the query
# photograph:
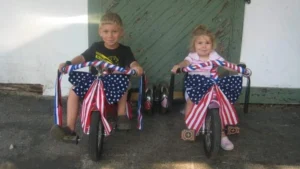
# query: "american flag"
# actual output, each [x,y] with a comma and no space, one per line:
[201,89]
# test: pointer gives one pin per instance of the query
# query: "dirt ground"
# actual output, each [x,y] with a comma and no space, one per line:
[269,139]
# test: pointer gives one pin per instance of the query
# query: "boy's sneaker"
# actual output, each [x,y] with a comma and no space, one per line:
[226,144]
[63,133]
[123,123]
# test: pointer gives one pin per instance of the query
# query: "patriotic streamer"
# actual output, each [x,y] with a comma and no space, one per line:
[88,105]
[97,63]
[57,101]
[140,100]
[216,63]
[198,112]
[227,110]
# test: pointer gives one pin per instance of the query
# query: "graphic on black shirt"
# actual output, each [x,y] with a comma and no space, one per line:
[109,59]
[121,56]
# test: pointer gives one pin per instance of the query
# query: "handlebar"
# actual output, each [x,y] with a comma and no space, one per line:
[241,68]
[102,64]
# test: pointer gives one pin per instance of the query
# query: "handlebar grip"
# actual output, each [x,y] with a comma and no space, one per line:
[63,69]
[134,72]
[179,70]
[243,65]
[247,72]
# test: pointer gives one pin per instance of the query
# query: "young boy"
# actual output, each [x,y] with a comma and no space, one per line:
[111,51]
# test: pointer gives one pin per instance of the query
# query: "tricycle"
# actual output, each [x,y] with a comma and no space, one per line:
[213,99]
[99,103]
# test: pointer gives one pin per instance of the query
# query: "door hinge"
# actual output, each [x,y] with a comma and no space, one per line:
[248,1]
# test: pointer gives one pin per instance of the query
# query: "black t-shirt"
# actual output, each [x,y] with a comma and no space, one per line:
[121,56]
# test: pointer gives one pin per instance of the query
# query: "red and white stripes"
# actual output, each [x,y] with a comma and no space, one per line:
[94,101]
[197,114]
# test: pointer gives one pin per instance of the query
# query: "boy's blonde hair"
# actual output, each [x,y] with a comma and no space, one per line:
[111,18]
[202,30]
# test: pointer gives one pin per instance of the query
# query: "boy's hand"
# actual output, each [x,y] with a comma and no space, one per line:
[61,66]
[76,60]
[175,68]
[139,70]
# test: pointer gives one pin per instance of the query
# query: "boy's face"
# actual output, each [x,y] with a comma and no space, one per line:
[111,34]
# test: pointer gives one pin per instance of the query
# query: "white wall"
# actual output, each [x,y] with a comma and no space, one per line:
[38,35]
[271,42]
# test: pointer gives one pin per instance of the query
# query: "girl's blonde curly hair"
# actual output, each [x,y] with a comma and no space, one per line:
[201,30]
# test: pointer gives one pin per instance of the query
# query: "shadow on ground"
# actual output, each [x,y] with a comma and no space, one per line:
[269,139]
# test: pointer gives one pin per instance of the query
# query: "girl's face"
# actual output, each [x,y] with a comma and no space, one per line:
[203,45]
[111,34]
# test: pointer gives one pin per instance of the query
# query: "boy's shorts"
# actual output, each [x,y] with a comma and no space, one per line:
[115,85]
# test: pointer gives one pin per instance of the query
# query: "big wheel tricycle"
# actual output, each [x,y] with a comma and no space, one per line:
[213,99]
[99,103]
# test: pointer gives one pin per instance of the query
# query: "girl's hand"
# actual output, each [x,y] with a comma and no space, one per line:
[175,68]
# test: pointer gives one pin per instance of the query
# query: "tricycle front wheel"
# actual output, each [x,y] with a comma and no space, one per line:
[212,136]
[96,136]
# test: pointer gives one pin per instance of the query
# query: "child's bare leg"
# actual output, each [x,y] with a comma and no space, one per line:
[59,132]
[72,109]
[223,133]
[188,107]
[122,105]
[123,122]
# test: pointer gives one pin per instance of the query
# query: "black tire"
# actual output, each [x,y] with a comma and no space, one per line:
[156,99]
[96,136]
[171,92]
[247,95]
[212,136]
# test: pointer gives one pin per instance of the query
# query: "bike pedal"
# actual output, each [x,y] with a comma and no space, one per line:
[71,139]
[233,130]
[188,135]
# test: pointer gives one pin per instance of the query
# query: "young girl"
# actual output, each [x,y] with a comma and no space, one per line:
[202,50]
[109,50]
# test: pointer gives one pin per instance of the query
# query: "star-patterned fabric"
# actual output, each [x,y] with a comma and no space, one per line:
[115,85]
[231,86]
[198,85]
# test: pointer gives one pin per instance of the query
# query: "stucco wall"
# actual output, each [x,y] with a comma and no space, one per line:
[36,36]
[271,42]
